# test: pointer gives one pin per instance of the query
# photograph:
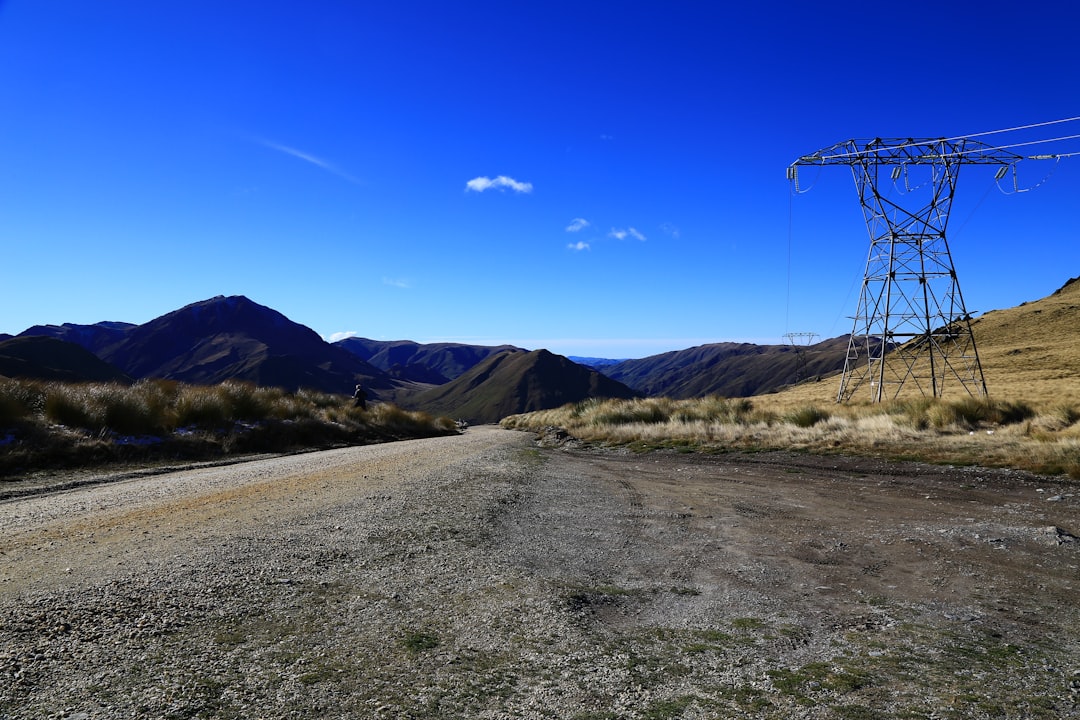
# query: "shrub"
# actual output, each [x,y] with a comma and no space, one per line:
[626,412]
[806,416]
[1068,414]
[68,405]
[20,399]
[203,407]
[1010,413]
[123,410]
[398,421]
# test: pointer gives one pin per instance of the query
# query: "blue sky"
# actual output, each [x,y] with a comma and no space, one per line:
[595,178]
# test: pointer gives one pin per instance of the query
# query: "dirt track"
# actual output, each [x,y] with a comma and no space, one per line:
[480,577]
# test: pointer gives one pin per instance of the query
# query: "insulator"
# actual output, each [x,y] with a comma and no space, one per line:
[1001,172]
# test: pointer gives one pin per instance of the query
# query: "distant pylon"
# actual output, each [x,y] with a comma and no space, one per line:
[911,326]
[800,341]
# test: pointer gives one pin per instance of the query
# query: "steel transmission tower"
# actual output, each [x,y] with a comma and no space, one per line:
[911,326]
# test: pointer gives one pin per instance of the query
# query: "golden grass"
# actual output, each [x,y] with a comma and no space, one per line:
[1030,354]
[965,432]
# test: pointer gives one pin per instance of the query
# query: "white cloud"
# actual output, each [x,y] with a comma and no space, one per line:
[621,234]
[577,225]
[309,158]
[480,184]
[580,245]
[397,282]
[334,337]
[671,230]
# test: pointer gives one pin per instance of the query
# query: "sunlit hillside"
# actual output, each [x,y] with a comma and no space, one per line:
[1029,354]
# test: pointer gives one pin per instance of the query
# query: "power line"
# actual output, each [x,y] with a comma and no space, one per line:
[916,143]
[1013,129]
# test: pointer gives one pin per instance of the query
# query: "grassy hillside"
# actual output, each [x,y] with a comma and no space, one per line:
[1030,354]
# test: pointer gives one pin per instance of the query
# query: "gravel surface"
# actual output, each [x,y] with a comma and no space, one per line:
[482,577]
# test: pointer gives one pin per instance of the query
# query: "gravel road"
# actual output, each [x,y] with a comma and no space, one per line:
[480,576]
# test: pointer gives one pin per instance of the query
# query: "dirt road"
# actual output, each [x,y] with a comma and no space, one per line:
[481,577]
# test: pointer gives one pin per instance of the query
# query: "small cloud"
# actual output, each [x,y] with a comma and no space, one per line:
[334,337]
[607,138]
[621,234]
[577,225]
[397,282]
[670,230]
[480,184]
[578,246]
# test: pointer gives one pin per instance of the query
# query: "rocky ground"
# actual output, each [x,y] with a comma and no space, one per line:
[482,577]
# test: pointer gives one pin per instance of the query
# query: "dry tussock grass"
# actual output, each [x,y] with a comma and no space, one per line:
[960,432]
[50,423]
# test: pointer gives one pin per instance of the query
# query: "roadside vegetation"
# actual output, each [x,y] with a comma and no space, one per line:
[53,424]
[961,432]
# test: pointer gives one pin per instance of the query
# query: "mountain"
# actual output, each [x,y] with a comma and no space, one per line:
[516,381]
[95,338]
[234,338]
[433,363]
[728,369]
[46,358]
[594,362]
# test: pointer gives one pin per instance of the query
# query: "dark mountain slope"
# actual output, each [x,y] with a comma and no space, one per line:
[516,381]
[95,338]
[728,369]
[234,338]
[430,362]
[46,358]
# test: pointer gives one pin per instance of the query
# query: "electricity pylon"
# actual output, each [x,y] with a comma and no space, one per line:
[799,341]
[911,325]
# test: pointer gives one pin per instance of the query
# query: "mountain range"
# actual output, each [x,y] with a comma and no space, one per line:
[234,338]
[225,338]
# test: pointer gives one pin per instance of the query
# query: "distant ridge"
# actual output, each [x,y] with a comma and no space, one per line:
[46,358]
[729,369]
[96,338]
[516,381]
[434,363]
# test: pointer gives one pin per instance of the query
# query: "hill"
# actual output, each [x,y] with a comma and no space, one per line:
[434,363]
[516,381]
[46,358]
[728,369]
[95,338]
[1029,354]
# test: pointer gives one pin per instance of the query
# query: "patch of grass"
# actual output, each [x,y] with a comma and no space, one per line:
[814,677]
[748,623]
[671,708]
[417,641]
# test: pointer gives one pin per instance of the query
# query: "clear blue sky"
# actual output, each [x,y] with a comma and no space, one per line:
[595,178]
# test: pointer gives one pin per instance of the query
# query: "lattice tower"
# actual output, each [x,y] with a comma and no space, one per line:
[911,327]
